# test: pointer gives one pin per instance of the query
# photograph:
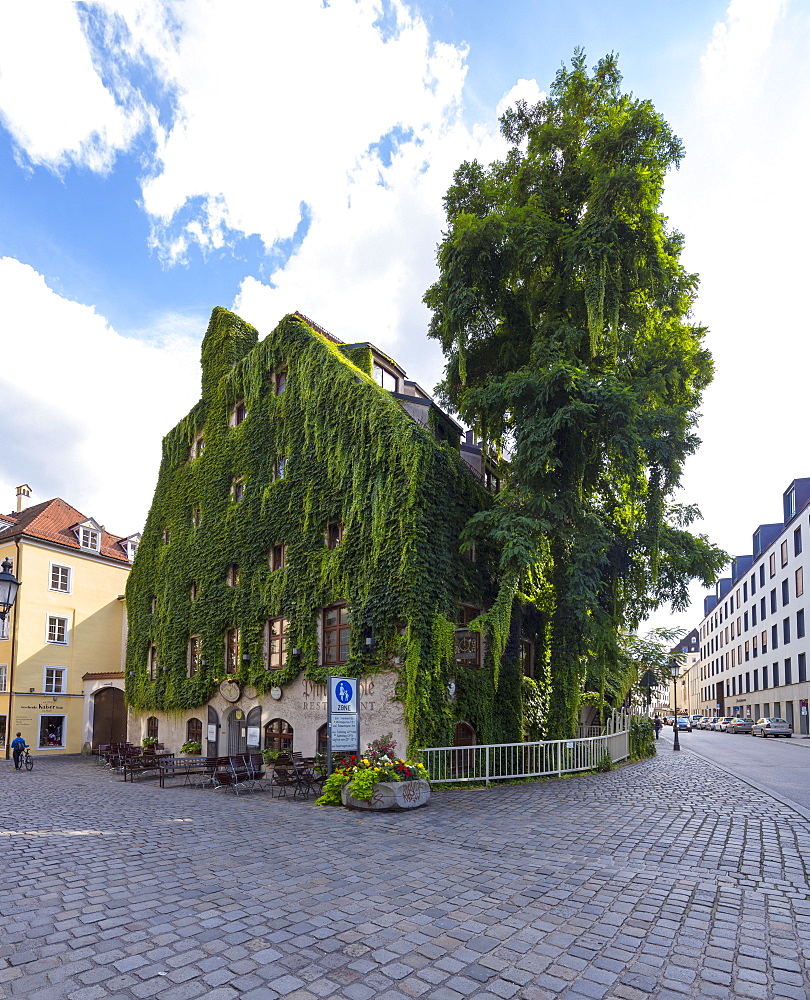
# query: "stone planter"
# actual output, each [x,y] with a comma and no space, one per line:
[390,795]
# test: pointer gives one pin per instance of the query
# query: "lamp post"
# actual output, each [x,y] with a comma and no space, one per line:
[675,669]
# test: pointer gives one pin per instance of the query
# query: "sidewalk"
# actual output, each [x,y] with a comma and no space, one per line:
[626,885]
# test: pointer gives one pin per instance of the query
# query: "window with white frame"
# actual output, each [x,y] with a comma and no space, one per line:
[60,578]
[3,677]
[52,731]
[3,628]
[54,680]
[89,538]
[57,630]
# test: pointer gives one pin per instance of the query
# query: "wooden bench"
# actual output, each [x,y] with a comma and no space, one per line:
[169,767]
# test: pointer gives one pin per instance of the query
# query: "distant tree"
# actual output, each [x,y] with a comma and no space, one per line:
[564,314]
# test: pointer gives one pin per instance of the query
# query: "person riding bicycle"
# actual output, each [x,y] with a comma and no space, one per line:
[18,744]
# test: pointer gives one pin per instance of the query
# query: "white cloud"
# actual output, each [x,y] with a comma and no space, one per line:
[523,90]
[52,100]
[86,409]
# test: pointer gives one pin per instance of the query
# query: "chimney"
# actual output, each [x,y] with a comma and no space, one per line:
[468,438]
[23,497]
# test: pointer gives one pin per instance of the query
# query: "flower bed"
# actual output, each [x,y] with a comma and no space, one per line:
[370,781]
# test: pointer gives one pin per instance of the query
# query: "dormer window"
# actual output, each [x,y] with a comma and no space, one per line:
[334,534]
[130,545]
[90,538]
[238,489]
[280,381]
[238,413]
[383,377]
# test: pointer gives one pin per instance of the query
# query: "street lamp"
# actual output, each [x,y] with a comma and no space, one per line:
[675,669]
[9,585]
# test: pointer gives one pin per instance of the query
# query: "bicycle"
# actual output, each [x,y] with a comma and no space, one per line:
[27,759]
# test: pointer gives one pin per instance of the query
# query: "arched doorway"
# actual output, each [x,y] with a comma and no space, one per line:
[254,728]
[463,759]
[212,744]
[109,717]
[322,741]
[237,732]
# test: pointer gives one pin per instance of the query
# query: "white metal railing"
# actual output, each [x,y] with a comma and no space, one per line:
[498,761]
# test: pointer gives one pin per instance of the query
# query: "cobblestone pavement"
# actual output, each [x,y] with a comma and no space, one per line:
[664,879]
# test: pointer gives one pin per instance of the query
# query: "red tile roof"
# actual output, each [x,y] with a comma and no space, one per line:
[54,521]
[104,675]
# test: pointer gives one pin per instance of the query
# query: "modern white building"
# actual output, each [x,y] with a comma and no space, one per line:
[753,640]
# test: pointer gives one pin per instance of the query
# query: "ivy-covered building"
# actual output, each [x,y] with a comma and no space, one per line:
[307,522]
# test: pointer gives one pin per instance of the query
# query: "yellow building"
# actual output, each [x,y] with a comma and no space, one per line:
[61,646]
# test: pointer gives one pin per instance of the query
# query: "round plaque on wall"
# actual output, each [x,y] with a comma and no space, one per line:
[250,692]
[275,693]
[230,690]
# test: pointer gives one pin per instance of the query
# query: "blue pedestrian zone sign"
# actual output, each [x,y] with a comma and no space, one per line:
[343,695]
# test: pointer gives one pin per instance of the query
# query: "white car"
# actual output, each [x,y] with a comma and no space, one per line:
[722,724]
[771,727]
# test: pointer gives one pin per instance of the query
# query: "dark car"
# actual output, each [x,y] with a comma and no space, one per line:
[684,724]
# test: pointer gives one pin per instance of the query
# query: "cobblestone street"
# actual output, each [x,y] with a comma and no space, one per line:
[664,879]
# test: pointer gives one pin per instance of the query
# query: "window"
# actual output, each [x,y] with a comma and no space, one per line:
[153,605]
[747,651]
[785,630]
[54,681]
[232,651]
[732,630]
[762,607]
[167,536]
[773,601]
[336,624]
[491,481]
[785,592]
[762,575]
[753,616]
[52,731]
[772,564]
[194,731]
[747,682]
[152,727]
[4,628]
[238,413]
[764,638]
[775,674]
[756,680]
[196,518]
[278,557]
[237,489]
[3,677]
[278,735]
[800,623]
[802,667]
[57,630]
[527,658]
[745,592]
[788,671]
[192,593]
[783,552]
[467,644]
[279,468]
[193,656]
[384,378]
[799,581]
[774,638]
[89,538]
[789,501]
[753,584]
[797,541]
[764,678]
[280,381]
[754,650]
[322,746]
[232,575]
[152,662]
[197,446]
[334,534]
[745,620]
[276,657]
[60,578]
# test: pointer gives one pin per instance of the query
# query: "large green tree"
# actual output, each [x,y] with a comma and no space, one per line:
[564,313]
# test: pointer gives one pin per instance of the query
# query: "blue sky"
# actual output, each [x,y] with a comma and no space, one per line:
[159,159]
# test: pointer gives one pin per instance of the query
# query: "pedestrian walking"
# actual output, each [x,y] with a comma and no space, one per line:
[18,744]
[658,724]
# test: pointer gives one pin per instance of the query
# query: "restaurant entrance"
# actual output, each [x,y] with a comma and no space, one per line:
[237,732]
[109,717]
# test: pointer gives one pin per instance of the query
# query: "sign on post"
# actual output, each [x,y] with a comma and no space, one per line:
[343,716]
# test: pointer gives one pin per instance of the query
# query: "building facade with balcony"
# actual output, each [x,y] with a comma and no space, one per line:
[62,644]
[753,637]
[307,522]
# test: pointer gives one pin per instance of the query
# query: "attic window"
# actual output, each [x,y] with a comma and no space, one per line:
[238,413]
[384,378]
[89,538]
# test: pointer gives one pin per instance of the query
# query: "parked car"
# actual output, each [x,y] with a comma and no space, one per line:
[684,724]
[771,727]
[740,725]
[694,719]
[723,724]
[704,722]
[713,722]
